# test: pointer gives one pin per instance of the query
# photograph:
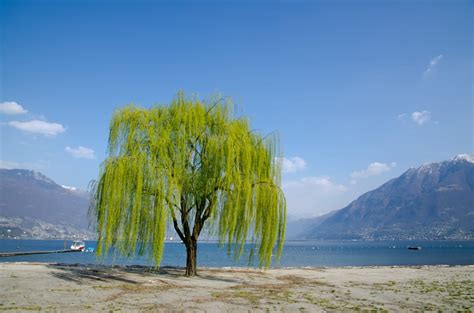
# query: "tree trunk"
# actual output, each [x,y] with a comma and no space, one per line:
[191,249]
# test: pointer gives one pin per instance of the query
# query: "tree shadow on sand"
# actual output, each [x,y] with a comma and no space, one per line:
[81,273]
[173,272]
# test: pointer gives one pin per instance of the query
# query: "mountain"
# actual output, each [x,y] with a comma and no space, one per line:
[434,201]
[32,205]
[297,228]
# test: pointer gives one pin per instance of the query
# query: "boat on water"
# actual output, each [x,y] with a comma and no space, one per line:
[78,246]
[414,248]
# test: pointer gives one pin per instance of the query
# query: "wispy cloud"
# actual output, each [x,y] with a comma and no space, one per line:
[293,164]
[81,152]
[421,117]
[323,183]
[11,108]
[418,117]
[375,168]
[401,116]
[313,195]
[9,165]
[27,166]
[433,64]
[38,127]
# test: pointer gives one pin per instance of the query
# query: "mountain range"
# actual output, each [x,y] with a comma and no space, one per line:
[34,206]
[433,201]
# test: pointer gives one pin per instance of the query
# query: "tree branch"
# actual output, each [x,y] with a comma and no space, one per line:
[176,226]
[197,219]
[214,105]
[184,218]
[267,183]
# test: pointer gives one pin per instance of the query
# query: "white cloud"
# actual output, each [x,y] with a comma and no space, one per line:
[323,182]
[401,116]
[39,127]
[421,117]
[69,187]
[313,196]
[433,64]
[373,169]
[9,165]
[81,152]
[11,108]
[293,164]
[418,117]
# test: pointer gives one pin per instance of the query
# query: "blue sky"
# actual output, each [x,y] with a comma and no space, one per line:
[359,91]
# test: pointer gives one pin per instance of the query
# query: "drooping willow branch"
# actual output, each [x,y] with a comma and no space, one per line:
[189,164]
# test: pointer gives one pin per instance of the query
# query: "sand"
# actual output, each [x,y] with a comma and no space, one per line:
[79,288]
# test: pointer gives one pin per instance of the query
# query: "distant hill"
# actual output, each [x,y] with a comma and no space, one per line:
[30,200]
[297,228]
[434,201]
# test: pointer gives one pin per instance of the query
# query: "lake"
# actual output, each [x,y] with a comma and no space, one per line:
[295,254]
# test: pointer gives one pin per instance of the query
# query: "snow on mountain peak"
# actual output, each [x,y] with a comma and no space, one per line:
[426,168]
[40,177]
[69,187]
[464,157]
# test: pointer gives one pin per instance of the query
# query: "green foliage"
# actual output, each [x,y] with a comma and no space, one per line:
[187,163]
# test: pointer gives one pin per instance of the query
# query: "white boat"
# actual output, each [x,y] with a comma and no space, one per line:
[78,245]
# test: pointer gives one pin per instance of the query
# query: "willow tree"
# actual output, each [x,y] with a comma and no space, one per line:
[187,164]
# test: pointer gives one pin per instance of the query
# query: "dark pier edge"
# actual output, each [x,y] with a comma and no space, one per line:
[7,254]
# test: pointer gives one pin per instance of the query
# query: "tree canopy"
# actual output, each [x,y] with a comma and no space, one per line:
[185,164]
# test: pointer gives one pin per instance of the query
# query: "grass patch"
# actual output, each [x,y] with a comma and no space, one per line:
[229,296]
[21,308]
[65,290]
[321,302]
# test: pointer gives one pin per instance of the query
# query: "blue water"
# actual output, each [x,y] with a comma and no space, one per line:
[295,254]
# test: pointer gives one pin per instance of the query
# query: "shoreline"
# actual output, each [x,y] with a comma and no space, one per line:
[286,240]
[250,268]
[92,287]
[256,268]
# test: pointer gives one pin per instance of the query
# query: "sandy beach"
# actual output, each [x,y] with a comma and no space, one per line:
[74,288]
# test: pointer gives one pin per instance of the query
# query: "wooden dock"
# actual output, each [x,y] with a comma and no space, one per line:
[9,254]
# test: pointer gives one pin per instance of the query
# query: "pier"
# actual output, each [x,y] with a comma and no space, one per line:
[9,254]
